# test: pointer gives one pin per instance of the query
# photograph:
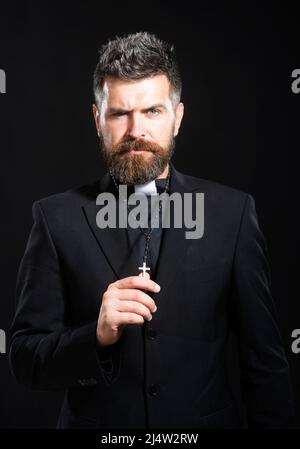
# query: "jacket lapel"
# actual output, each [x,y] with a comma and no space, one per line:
[113,242]
[174,244]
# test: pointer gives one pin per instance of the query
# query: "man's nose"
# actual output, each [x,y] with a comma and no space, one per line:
[135,127]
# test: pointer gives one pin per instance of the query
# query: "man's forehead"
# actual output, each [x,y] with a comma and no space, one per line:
[154,89]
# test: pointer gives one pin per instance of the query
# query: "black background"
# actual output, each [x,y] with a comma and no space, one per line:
[239,129]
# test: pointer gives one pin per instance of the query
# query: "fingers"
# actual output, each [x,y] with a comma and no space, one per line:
[130,318]
[135,295]
[141,282]
[134,307]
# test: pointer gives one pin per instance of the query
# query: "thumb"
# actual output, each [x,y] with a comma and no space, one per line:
[147,276]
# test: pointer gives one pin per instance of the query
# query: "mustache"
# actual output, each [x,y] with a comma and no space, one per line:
[136,145]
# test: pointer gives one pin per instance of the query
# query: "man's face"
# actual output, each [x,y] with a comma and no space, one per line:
[137,123]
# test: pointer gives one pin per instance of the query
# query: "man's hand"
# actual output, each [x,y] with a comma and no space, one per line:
[123,303]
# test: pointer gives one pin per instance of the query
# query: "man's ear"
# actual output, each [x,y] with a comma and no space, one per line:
[96,117]
[178,117]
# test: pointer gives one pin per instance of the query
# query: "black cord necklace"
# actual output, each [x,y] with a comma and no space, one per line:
[147,235]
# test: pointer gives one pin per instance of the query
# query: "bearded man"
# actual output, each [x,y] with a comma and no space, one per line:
[133,322]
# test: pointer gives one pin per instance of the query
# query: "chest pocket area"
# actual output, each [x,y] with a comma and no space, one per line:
[204,273]
[203,302]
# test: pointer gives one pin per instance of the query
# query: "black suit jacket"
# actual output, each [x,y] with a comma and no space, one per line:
[170,372]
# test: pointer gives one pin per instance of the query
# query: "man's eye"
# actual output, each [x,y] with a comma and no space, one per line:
[153,111]
[118,114]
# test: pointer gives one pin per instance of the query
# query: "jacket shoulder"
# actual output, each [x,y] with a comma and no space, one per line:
[75,196]
[215,189]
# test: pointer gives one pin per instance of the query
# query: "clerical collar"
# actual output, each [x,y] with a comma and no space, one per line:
[151,188]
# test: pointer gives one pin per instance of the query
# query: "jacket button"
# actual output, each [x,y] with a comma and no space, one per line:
[153,389]
[151,334]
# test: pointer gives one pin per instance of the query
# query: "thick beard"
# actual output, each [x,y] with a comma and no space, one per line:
[133,169]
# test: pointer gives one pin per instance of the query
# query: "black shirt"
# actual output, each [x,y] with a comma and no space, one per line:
[137,238]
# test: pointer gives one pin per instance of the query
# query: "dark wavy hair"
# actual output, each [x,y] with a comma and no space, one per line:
[137,56]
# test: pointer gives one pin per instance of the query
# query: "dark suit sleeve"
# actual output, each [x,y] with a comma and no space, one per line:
[265,377]
[45,351]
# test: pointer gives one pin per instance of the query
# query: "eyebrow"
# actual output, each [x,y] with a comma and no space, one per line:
[154,106]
